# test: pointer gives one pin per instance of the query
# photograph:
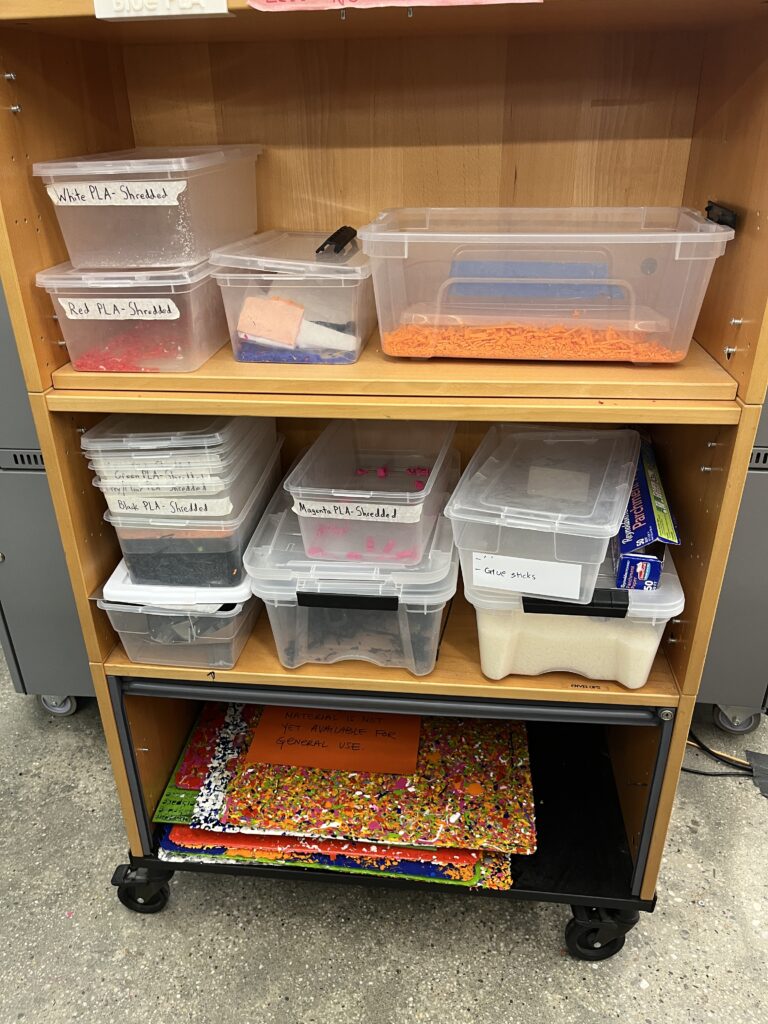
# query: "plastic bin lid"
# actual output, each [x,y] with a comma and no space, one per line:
[131,470]
[123,433]
[662,604]
[64,275]
[228,611]
[279,567]
[293,252]
[146,160]
[608,224]
[372,442]
[571,481]
[121,589]
[202,525]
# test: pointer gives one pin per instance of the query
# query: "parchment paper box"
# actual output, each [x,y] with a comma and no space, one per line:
[648,526]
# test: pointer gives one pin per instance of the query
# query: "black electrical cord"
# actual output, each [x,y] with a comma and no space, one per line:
[717,755]
[715,775]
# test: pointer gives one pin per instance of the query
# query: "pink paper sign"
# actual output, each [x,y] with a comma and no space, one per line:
[332,5]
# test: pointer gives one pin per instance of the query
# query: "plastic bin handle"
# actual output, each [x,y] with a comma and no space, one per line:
[357,602]
[606,604]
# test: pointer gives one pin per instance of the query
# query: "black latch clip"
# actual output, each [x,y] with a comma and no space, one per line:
[338,240]
[721,214]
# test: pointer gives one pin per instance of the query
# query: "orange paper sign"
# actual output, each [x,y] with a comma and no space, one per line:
[349,740]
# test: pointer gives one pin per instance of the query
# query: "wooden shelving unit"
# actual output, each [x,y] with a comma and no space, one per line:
[568,102]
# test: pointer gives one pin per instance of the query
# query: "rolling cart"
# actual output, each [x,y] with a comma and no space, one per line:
[483,107]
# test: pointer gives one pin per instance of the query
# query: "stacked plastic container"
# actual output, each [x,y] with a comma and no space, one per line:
[184,494]
[138,295]
[353,558]
[532,517]
[290,298]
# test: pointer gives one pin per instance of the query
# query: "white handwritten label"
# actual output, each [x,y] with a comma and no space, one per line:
[159,308]
[526,575]
[119,10]
[169,507]
[357,510]
[117,193]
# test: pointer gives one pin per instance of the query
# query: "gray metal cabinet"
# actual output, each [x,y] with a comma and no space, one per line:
[39,629]
[735,675]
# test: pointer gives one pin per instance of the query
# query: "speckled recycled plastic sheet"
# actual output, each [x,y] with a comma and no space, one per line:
[484,870]
[471,789]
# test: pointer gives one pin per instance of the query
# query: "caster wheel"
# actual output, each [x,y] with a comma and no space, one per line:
[153,905]
[582,942]
[62,707]
[746,725]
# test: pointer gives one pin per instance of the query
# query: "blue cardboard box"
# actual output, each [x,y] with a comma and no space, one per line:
[646,530]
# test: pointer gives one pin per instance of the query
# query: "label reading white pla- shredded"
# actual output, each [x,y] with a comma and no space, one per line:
[371,511]
[526,575]
[81,308]
[117,193]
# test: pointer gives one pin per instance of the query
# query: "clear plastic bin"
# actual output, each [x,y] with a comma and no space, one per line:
[614,638]
[324,612]
[155,321]
[190,638]
[371,490]
[132,436]
[187,552]
[163,477]
[286,303]
[534,510]
[209,498]
[153,206]
[605,284]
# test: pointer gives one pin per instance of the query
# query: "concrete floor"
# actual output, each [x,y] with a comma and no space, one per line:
[245,951]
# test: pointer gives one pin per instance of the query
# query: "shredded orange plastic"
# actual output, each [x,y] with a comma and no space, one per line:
[523,341]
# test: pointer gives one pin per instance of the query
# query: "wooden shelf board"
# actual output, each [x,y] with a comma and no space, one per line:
[696,377]
[457,673]
[76,17]
[488,410]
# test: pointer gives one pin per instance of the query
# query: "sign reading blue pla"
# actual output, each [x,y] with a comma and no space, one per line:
[648,525]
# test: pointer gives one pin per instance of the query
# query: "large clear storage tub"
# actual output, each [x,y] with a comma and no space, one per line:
[535,509]
[615,283]
[615,637]
[188,552]
[287,303]
[152,206]
[132,321]
[371,490]
[324,612]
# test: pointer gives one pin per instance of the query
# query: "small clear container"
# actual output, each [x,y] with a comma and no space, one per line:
[129,435]
[158,321]
[621,284]
[324,612]
[187,637]
[187,552]
[164,474]
[209,498]
[371,490]
[152,206]
[615,637]
[287,303]
[534,510]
